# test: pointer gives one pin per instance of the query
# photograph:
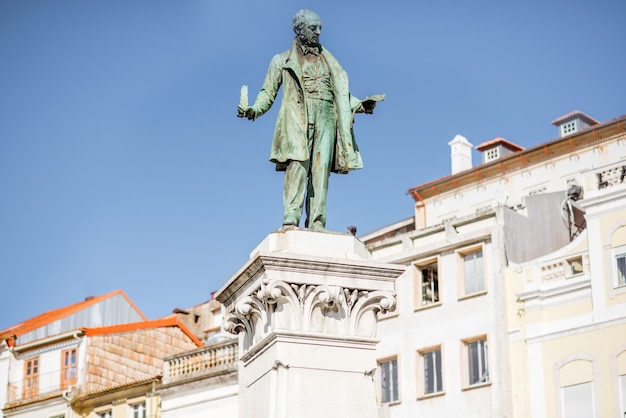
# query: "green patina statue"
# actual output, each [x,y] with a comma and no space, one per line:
[313,134]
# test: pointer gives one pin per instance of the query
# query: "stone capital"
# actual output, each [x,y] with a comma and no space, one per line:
[288,286]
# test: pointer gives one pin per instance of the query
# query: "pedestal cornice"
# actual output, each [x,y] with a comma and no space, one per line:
[288,290]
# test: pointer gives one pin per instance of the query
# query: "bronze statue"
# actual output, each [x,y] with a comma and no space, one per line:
[313,134]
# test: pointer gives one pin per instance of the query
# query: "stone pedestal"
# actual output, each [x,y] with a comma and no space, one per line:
[305,307]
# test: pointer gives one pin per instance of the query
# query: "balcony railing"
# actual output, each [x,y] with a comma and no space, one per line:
[37,387]
[212,358]
[611,176]
[562,269]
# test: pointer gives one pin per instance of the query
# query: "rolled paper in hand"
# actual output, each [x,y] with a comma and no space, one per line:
[243,97]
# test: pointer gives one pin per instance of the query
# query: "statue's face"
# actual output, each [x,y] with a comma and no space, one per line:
[310,34]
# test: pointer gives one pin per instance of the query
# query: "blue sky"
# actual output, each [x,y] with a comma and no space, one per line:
[122,164]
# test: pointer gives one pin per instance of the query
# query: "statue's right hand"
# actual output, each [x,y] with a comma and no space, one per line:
[247,112]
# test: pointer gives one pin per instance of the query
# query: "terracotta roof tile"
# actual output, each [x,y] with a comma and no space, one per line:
[572,115]
[118,386]
[499,140]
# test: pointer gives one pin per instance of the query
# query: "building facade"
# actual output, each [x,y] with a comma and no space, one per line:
[479,331]
[569,320]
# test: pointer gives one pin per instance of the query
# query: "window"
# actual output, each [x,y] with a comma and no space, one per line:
[389,381]
[477,365]
[430,361]
[31,378]
[568,128]
[616,253]
[216,317]
[473,272]
[620,259]
[105,414]
[427,284]
[138,410]
[577,401]
[68,368]
[492,154]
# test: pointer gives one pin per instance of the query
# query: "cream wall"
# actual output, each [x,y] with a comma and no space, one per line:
[583,357]
[568,330]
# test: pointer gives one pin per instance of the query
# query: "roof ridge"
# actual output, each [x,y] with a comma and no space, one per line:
[62,312]
[170,321]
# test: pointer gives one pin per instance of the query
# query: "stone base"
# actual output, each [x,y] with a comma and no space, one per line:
[306,307]
[308,376]
[319,244]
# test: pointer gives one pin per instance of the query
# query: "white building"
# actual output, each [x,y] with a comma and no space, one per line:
[452,348]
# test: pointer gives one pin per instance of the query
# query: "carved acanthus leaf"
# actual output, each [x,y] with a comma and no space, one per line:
[235,324]
[269,292]
[302,291]
[352,295]
[331,296]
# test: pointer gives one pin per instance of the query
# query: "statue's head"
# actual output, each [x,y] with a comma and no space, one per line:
[307,25]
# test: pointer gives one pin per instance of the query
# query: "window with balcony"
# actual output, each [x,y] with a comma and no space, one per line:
[68,368]
[31,378]
[473,272]
[389,380]
[430,369]
[427,284]
[477,361]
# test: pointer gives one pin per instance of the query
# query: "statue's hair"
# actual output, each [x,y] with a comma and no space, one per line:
[299,20]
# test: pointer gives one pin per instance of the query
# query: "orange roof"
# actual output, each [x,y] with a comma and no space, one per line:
[499,140]
[135,326]
[56,314]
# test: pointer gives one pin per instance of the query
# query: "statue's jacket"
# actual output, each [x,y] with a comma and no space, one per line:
[290,134]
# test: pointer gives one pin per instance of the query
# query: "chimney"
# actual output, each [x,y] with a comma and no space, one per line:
[460,154]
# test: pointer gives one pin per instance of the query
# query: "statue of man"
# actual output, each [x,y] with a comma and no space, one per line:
[313,134]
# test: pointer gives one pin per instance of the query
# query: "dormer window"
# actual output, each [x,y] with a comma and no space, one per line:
[573,122]
[497,148]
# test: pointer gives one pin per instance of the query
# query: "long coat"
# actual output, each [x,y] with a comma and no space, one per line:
[290,135]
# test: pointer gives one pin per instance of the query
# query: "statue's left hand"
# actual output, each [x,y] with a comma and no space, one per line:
[247,112]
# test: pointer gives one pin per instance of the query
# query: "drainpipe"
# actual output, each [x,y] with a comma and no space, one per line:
[152,408]
[68,399]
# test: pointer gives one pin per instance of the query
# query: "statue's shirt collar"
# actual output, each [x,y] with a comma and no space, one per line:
[305,49]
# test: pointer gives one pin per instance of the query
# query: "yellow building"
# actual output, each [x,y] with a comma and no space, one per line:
[568,325]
